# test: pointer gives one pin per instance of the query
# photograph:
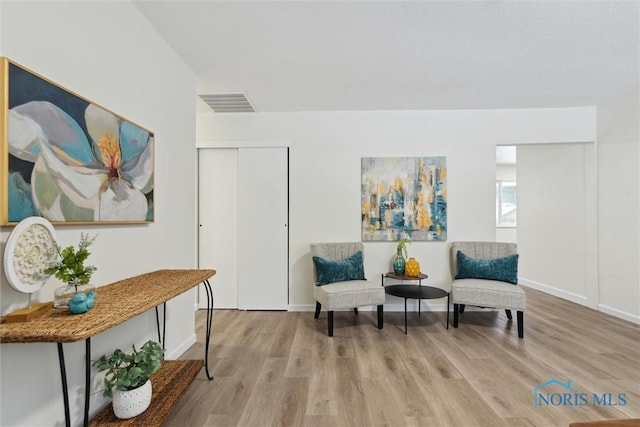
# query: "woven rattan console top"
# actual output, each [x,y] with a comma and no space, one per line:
[115,304]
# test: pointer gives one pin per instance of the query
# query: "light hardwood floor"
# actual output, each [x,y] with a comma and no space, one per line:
[281,368]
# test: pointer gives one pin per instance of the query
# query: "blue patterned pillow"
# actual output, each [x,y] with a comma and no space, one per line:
[502,269]
[329,271]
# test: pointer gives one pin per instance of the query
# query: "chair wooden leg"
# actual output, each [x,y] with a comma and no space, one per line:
[520,315]
[508,314]
[355,310]
[455,315]
[380,316]
[330,323]
[461,308]
[318,305]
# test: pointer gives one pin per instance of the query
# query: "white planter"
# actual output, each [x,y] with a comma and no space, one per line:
[129,403]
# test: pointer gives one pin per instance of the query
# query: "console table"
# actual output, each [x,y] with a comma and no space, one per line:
[115,304]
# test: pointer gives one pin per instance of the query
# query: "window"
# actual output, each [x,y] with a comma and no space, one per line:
[506,204]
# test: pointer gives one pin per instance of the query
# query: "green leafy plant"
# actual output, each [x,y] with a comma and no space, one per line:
[70,267]
[402,247]
[127,371]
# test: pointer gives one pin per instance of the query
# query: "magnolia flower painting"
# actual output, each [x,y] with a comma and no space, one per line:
[70,160]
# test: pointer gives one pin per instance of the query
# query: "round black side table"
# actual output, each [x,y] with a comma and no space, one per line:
[417,291]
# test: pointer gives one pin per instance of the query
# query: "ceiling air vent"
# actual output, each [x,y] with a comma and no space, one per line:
[228,102]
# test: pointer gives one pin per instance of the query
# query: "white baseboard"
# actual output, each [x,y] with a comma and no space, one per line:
[578,299]
[619,314]
[301,307]
[412,305]
[429,306]
[570,296]
[181,348]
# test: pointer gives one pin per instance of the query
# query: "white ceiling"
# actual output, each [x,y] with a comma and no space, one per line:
[409,55]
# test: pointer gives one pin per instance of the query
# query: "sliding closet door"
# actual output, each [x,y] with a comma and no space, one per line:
[262,228]
[243,234]
[218,222]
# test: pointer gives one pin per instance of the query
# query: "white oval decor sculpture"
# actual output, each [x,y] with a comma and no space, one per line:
[129,403]
[30,249]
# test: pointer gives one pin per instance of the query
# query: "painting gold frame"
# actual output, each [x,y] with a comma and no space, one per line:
[68,159]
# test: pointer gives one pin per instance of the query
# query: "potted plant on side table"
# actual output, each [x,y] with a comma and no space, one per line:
[70,269]
[400,260]
[127,379]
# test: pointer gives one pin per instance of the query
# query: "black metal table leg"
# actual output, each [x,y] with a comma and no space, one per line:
[164,324]
[65,388]
[405,316]
[209,291]
[65,385]
[87,380]
[448,296]
[162,336]
[158,327]
[419,300]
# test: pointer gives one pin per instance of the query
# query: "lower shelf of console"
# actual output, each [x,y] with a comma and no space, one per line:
[169,384]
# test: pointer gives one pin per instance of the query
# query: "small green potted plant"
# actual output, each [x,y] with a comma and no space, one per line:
[127,378]
[400,260]
[402,247]
[70,269]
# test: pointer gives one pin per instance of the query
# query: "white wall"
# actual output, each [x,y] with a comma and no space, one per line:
[107,52]
[326,148]
[506,172]
[554,228]
[618,208]
[506,234]
[618,229]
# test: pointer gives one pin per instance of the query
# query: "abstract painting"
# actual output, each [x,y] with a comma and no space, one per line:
[404,197]
[67,159]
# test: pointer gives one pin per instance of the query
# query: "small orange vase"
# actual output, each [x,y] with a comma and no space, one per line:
[412,268]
